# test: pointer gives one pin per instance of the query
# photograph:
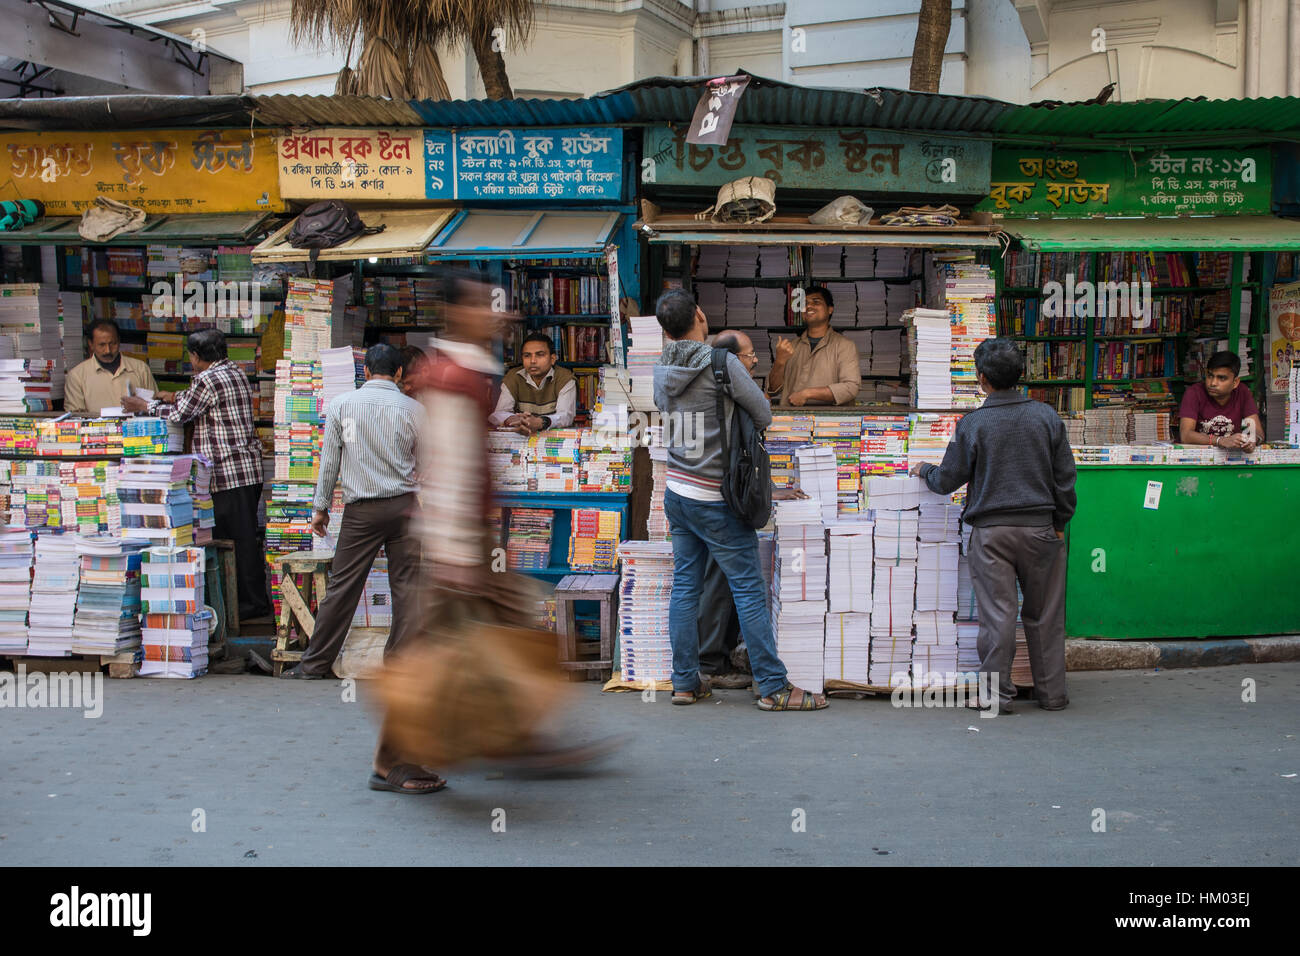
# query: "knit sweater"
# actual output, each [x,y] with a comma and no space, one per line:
[1013,456]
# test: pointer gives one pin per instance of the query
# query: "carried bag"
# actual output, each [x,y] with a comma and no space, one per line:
[747,471]
[324,225]
[105,218]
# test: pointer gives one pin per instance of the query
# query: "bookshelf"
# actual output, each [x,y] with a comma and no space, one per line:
[1077,361]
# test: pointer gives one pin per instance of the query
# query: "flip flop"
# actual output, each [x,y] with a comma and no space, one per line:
[402,773]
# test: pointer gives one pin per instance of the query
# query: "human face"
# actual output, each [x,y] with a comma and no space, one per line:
[747,356]
[537,359]
[473,320]
[817,314]
[1220,382]
[104,345]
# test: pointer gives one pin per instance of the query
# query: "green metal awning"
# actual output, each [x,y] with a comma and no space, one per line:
[1208,233]
[196,228]
[913,240]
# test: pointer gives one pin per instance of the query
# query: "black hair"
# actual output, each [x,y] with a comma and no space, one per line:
[727,339]
[383,359]
[822,291]
[675,311]
[465,287]
[1000,361]
[98,324]
[412,356]
[1225,359]
[207,344]
[538,337]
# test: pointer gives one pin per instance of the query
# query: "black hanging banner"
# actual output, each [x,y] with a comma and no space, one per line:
[711,124]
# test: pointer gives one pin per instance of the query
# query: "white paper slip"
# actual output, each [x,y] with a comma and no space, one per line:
[113,411]
[145,393]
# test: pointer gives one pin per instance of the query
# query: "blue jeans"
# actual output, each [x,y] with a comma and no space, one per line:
[701,529]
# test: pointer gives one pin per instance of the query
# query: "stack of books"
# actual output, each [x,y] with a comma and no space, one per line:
[884,446]
[308,318]
[16,555]
[645,346]
[29,333]
[799,591]
[156,504]
[930,339]
[850,558]
[645,587]
[593,543]
[108,600]
[970,293]
[54,595]
[818,479]
[528,547]
[174,634]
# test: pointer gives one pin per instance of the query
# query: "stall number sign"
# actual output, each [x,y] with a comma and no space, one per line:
[551,164]
[1157,182]
[863,160]
[160,171]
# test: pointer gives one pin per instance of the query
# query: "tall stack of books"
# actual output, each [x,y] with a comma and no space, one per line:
[156,504]
[29,334]
[54,595]
[930,339]
[108,600]
[528,547]
[848,618]
[16,555]
[799,591]
[843,434]
[969,289]
[645,587]
[647,342]
[893,502]
[174,634]
[593,544]
[884,446]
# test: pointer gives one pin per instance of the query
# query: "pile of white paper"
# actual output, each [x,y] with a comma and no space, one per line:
[936,577]
[940,518]
[859,261]
[338,374]
[799,590]
[799,629]
[647,342]
[645,649]
[54,595]
[848,647]
[894,494]
[931,338]
[15,587]
[968,655]
[892,261]
[935,650]
[818,478]
[773,261]
[886,352]
[770,307]
[850,558]
[826,261]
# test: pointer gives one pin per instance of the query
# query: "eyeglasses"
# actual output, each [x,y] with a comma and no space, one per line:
[750,354]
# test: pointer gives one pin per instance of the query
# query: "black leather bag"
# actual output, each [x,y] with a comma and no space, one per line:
[324,225]
[747,474]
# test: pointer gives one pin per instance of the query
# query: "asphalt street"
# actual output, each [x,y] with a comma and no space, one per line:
[1185,771]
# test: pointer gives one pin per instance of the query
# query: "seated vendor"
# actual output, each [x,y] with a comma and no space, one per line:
[1217,411]
[821,367]
[537,395]
[107,377]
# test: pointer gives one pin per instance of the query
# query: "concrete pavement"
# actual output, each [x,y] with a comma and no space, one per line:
[1184,770]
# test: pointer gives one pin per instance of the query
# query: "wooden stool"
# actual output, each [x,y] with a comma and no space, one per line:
[575,656]
[295,605]
[225,550]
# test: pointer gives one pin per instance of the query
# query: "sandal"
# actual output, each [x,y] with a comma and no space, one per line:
[783,700]
[684,697]
[403,773]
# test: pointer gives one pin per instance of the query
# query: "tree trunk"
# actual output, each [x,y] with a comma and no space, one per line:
[492,66]
[932,26]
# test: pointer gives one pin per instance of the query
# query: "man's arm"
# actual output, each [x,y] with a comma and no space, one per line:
[848,373]
[747,394]
[190,404]
[955,471]
[505,407]
[1259,431]
[331,458]
[566,405]
[776,375]
[1188,435]
[74,393]
[817,395]
[1063,477]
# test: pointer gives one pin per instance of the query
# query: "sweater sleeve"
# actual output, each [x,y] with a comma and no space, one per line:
[1063,475]
[958,463]
[747,394]
[848,373]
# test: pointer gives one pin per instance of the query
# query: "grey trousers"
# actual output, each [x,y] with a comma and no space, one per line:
[1000,555]
[719,622]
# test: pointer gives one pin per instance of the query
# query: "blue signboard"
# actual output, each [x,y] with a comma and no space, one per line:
[523,164]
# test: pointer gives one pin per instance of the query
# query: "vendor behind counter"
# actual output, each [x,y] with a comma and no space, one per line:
[819,368]
[1220,411]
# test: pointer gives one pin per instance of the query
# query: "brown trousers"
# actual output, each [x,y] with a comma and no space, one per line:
[1000,555]
[368,525]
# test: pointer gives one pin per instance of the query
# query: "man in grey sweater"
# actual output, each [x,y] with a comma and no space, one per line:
[1013,455]
[702,523]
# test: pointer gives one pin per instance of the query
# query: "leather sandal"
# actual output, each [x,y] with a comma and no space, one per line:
[685,697]
[403,773]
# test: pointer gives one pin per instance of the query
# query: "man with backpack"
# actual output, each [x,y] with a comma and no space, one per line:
[703,523]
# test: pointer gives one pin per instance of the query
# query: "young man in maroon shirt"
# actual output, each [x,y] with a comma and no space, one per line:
[1217,411]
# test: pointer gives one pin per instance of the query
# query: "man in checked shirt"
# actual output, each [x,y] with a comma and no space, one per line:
[220,404]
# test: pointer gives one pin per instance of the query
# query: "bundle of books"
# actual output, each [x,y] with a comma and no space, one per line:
[375,609]
[928,437]
[16,555]
[645,587]
[205,515]
[174,634]
[26,385]
[507,454]
[930,341]
[894,502]
[843,435]
[969,290]
[31,377]
[818,478]
[308,318]
[54,595]
[657,523]
[528,547]
[799,576]
[108,600]
[593,544]
[151,436]
[67,495]
[156,504]
[849,558]
[884,445]
[935,652]
[646,344]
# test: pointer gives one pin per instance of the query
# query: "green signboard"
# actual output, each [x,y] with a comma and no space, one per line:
[863,160]
[1077,183]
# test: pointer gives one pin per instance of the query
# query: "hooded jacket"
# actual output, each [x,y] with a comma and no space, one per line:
[684,393]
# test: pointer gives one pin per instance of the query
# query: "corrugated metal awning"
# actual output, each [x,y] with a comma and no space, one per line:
[406,233]
[194,228]
[913,240]
[523,233]
[1209,233]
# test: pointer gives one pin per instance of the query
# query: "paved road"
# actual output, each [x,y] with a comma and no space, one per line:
[1186,773]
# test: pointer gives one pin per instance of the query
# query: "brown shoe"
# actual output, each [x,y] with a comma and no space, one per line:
[733,681]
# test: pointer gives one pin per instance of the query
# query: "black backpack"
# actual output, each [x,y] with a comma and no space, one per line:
[747,471]
[324,225]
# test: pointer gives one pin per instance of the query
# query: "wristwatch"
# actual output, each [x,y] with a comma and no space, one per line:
[546,421]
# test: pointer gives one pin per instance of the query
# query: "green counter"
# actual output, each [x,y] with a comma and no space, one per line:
[1218,556]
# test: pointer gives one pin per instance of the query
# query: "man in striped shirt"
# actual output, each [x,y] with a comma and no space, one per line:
[220,404]
[370,446]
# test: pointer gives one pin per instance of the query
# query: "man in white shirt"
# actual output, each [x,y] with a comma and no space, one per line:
[539,394]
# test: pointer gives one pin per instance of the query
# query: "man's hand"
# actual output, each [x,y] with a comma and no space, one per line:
[799,398]
[167,398]
[534,422]
[522,429]
[320,523]
[915,470]
[134,403]
[1232,441]
[1061,535]
[514,420]
[784,349]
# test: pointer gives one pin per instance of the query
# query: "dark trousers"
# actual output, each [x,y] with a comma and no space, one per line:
[719,623]
[999,556]
[368,525]
[235,511]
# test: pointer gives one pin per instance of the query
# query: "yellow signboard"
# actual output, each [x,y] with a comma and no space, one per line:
[352,164]
[161,171]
